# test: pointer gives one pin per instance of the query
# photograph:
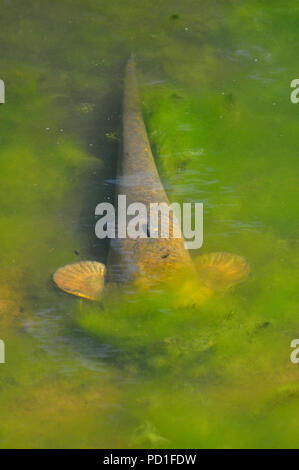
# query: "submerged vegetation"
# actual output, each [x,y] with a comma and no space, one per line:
[141,369]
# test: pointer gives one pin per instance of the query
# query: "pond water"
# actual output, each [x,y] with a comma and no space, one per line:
[141,369]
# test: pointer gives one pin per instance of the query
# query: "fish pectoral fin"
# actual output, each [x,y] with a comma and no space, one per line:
[84,279]
[221,270]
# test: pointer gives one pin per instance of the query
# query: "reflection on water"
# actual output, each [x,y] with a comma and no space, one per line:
[67,345]
[147,368]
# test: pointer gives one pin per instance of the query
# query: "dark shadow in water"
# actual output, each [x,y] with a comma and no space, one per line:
[102,136]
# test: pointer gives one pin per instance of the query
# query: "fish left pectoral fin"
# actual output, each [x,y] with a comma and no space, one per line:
[221,270]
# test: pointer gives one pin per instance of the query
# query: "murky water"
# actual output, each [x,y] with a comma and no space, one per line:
[141,369]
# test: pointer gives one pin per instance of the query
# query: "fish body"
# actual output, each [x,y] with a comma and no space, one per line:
[145,259]
[151,260]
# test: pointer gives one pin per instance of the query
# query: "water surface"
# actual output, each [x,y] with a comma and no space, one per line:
[142,370]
